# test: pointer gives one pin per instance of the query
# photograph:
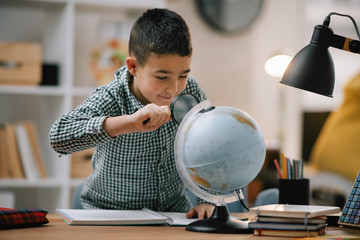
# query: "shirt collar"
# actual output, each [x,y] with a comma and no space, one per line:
[131,102]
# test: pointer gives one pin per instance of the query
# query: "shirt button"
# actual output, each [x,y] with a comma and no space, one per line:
[164,148]
[94,130]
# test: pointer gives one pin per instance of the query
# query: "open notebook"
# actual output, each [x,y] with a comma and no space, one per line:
[122,217]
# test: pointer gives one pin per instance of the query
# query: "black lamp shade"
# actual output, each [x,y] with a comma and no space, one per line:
[312,69]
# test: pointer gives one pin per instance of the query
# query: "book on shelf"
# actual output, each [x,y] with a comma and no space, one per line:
[35,146]
[4,169]
[12,153]
[122,217]
[288,233]
[20,156]
[26,153]
[293,211]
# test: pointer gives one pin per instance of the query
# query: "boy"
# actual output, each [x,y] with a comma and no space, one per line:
[128,122]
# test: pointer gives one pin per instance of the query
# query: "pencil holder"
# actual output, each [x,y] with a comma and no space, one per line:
[294,191]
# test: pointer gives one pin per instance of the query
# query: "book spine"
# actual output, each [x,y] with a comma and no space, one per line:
[35,146]
[4,168]
[12,153]
[20,155]
[25,151]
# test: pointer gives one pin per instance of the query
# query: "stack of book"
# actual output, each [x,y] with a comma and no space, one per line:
[285,220]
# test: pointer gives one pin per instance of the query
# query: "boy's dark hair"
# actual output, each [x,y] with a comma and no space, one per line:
[159,31]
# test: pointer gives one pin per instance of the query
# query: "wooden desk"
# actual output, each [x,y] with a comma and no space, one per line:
[58,229]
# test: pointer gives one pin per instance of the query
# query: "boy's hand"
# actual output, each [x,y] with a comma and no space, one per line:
[151,117]
[147,119]
[200,211]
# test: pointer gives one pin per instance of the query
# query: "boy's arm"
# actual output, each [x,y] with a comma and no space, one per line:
[71,133]
[91,124]
[147,119]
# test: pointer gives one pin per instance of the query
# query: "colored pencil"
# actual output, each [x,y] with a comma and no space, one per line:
[278,168]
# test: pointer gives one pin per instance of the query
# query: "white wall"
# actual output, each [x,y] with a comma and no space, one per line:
[220,62]
[230,67]
[275,106]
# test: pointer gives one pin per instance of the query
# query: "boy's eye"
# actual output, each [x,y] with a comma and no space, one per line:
[165,77]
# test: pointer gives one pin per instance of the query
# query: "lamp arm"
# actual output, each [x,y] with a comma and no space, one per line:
[341,42]
[345,43]
[327,21]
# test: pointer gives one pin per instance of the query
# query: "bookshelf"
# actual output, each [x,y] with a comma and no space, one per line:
[66,30]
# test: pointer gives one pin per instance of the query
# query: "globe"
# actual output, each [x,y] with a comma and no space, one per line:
[218,150]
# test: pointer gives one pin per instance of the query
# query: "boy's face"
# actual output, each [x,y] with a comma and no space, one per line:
[161,79]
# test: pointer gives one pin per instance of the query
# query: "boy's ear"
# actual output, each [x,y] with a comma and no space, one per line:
[131,64]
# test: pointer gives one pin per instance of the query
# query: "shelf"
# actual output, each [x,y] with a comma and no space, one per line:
[76,181]
[45,90]
[32,90]
[67,32]
[23,183]
[83,91]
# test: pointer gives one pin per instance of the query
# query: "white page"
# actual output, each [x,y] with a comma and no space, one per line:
[123,217]
[178,218]
[109,217]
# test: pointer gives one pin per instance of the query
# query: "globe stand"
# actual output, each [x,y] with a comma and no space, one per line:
[219,222]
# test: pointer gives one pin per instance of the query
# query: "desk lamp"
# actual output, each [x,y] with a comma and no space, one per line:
[312,68]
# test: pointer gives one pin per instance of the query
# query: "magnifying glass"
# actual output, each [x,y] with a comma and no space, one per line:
[181,105]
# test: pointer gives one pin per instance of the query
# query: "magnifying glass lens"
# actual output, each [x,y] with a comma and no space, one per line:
[181,105]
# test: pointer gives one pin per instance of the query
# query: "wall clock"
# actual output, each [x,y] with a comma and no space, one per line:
[229,16]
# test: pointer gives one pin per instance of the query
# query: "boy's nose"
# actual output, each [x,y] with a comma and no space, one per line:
[173,86]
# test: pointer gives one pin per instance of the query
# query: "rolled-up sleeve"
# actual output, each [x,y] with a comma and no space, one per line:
[82,128]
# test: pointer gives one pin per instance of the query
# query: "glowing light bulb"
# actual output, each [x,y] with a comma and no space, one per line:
[276,65]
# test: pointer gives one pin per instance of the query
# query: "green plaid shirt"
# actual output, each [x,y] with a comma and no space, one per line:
[130,171]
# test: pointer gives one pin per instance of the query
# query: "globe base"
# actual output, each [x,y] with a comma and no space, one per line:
[219,222]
